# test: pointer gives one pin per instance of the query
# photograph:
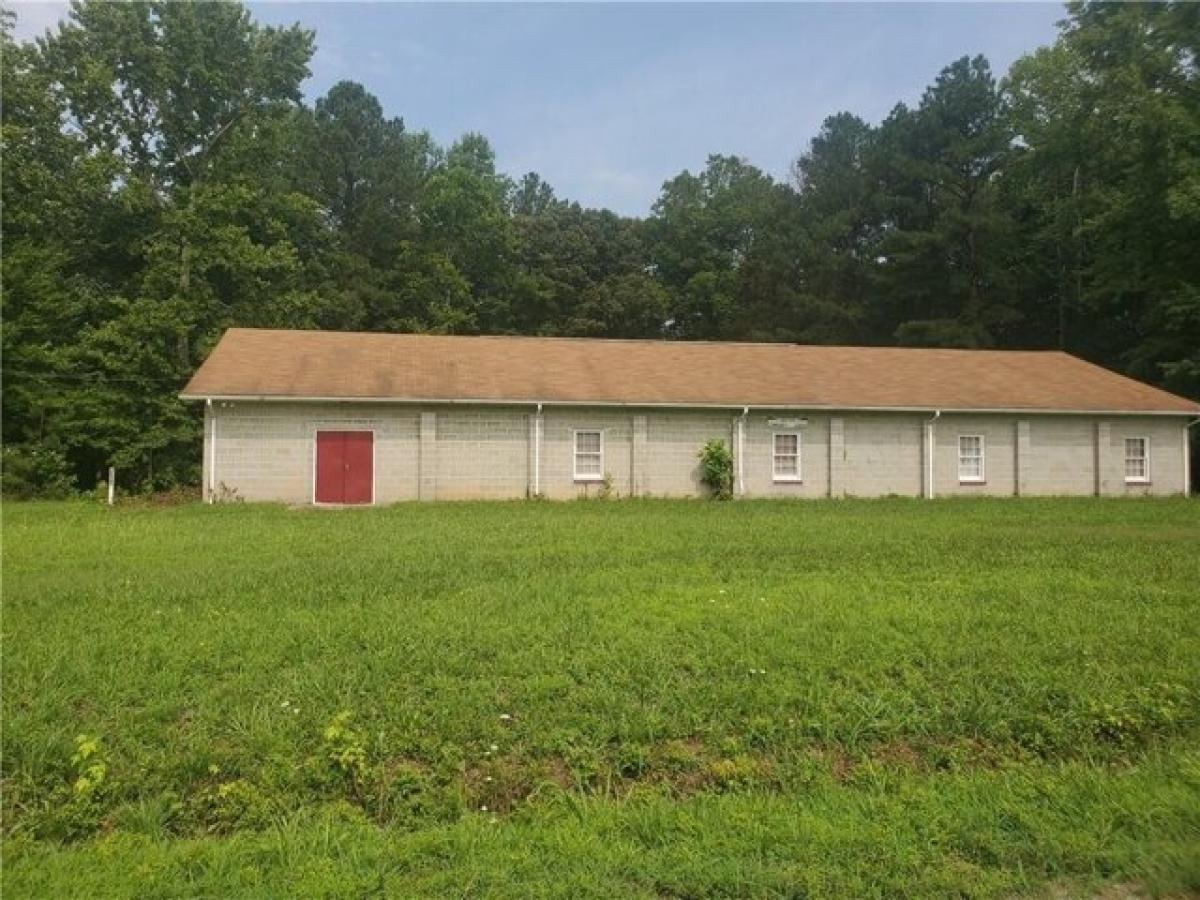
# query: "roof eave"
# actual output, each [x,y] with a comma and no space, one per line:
[445,401]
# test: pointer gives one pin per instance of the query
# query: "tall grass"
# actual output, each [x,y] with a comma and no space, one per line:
[638,697]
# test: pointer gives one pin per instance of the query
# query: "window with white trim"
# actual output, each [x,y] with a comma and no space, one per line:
[1137,460]
[970,457]
[589,456]
[785,463]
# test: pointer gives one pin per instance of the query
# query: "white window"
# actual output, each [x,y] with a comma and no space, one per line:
[786,456]
[1137,460]
[589,456]
[970,457]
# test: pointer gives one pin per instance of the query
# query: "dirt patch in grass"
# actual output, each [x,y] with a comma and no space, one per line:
[843,767]
[1121,891]
[685,767]
[503,783]
[898,754]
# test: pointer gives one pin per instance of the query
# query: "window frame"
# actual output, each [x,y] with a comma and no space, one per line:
[1144,478]
[981,478]
[798,476]
[575,453]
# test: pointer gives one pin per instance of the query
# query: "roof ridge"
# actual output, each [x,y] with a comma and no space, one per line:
[681,342]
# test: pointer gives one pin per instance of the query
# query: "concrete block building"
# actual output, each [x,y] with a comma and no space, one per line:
[340,418]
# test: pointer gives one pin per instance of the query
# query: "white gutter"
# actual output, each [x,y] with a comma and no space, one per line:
[832,407]
[1187,457]
[212,453]
[537,452]
[929,439]
[741,448]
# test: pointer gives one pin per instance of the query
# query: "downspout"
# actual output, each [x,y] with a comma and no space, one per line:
[537,452]
[212,453]
[741,451]
[929,425]
[1187,457]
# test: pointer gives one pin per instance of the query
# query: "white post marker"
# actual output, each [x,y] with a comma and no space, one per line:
[112,484]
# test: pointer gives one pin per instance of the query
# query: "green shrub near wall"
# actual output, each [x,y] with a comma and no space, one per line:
[716,468]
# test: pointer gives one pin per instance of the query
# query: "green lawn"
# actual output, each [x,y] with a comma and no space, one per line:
[634,698]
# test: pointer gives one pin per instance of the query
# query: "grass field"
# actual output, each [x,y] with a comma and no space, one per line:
[652,699]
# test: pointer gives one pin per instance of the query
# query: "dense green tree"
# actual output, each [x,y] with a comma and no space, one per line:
[564,251]
[840,229]
[702,230]
[163,180]
[946,251]
[366,171]
[629,305]
[424,291]
[170,227]
[163,85]
[1109,176]
[531,196]
[464,220]
[59,215]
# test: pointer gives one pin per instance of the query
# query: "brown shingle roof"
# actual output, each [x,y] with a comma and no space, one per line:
[344,365]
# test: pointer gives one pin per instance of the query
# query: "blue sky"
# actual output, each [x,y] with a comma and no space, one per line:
[606,102]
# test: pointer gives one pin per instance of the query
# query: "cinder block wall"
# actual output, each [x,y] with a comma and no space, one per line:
[999,435]
[883,455]
[1168,444]
[759,448]
[673,438]
[480,453]
[559,425]
[1061,457]
[266,451]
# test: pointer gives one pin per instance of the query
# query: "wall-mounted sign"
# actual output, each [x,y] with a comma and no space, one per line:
[787,423]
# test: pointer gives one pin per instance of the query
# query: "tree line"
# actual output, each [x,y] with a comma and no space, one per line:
[164,179]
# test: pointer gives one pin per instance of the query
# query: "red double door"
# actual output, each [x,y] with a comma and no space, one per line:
[345,467]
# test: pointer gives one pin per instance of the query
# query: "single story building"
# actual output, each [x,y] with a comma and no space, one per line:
[344,418]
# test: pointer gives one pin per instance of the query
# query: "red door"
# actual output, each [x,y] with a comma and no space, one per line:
[345,467]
